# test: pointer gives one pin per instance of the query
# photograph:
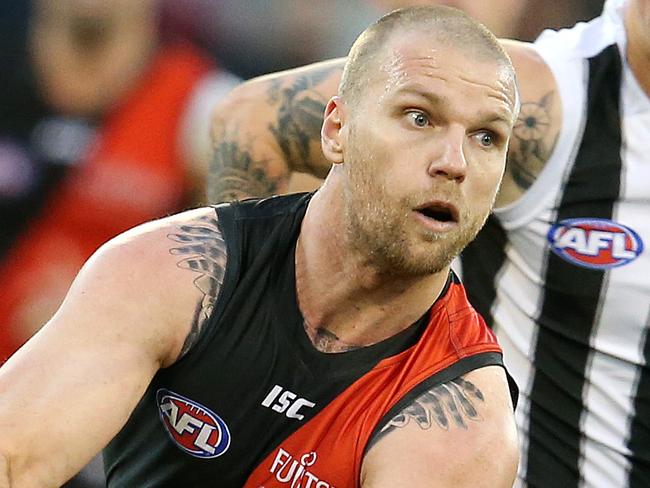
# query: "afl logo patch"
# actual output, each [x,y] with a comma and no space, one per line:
[595,243]
[193,428]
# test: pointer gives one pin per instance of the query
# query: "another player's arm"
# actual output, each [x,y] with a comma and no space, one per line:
[268,128]
[460,434]
[538,125]
[135,307]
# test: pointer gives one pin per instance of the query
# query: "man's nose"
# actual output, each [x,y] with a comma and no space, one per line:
[449,155]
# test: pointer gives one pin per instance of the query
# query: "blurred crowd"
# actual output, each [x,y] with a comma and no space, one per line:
[104,113]
[253,37]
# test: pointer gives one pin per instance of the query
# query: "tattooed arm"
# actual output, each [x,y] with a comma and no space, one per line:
[202,250]
[268,128]
[137,305]
[536,130]
[460,434]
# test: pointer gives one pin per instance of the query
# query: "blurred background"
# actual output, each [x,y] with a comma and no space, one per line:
[104,115]
[253,37]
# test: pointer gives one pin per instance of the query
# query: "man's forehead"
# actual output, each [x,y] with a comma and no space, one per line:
[413,50]
[405,61]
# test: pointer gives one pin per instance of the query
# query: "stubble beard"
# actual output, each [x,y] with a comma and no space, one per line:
[386,245]
[380,229]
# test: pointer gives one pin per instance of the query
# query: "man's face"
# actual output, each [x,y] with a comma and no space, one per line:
[424,151]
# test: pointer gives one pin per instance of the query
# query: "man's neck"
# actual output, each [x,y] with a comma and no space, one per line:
[346,303]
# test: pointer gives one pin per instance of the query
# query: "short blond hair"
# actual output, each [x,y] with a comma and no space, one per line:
[448,26]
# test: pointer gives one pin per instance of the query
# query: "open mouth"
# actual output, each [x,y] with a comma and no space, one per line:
[439,212]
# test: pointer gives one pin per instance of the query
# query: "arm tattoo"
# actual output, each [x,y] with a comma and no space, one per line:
[300,117]
[453,402]
[235,175]
[203,251]
[532,132]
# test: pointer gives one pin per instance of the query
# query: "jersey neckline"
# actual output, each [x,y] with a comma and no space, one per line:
[287,311]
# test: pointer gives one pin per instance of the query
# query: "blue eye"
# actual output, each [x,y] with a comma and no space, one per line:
[419,119]
[486,139]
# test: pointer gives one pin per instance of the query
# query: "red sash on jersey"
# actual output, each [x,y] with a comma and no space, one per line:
[133,173]
[327,452]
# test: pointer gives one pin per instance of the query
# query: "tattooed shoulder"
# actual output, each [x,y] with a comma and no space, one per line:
[445,406]
[300,117]
[533,140]
[202,250]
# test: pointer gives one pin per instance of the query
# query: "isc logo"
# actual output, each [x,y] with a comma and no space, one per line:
[192,427]
[595,243]
[286,402]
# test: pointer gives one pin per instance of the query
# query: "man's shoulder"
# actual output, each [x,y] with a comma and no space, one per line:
[143,245]
[159,271]
[539,123]
[551,75]
[472,413]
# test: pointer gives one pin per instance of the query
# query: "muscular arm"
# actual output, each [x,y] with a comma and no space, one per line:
[458,434]
[268,128]
[137,305]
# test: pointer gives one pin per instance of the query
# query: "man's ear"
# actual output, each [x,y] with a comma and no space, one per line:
[332,130]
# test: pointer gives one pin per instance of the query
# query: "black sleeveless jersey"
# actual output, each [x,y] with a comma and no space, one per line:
[255,404]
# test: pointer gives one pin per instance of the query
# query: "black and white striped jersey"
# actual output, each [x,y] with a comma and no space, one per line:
[563,275]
